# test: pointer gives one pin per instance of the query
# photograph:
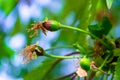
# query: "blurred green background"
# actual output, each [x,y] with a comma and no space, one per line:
[17,15]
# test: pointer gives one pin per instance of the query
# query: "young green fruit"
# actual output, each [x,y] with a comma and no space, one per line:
[51,25]
[85,63]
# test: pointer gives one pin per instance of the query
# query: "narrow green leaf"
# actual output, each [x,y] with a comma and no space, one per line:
[117,70]
[109,3]
[40,72]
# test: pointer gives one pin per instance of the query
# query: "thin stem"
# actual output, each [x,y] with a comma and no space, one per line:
[100,68]
[58,60]
[100,40]
[80,30]
[63,57]
[58,47]
[92,74]
[104,62]
[80,48]
[74,28]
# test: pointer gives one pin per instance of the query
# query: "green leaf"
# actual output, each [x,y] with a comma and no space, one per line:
[106,25]
[96,30]
[8,5]
[109,3]
[5,50]
[40,72]
[117,70]
[86,14]
[65,38]
[101,29]
[116,52]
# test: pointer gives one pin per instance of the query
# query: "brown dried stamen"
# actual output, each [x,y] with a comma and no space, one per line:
[36,27]
[30,51]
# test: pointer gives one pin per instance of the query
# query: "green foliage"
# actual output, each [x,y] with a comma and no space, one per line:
[8,5]
[101,29]
[40,72]
[116,52]
[96,30]
[6,51]
[105,25]
[85,14]
[117,42]
[85,19]
[109,3]
[117,70]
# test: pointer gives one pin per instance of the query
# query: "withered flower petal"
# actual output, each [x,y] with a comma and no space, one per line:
[81,72]
[30,51]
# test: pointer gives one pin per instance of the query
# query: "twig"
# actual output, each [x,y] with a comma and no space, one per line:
[91,75]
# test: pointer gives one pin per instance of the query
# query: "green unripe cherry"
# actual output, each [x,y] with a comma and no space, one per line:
[55,25]
[85,63]
[51,25]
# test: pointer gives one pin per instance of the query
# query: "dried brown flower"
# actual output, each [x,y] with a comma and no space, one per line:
[32,51]
[50,25]
[36,27]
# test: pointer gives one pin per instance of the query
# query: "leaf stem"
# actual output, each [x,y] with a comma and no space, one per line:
[62,57]
[59,60]
[86,32]
[104,62]
[73,28]
[80,48]
[56,47]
